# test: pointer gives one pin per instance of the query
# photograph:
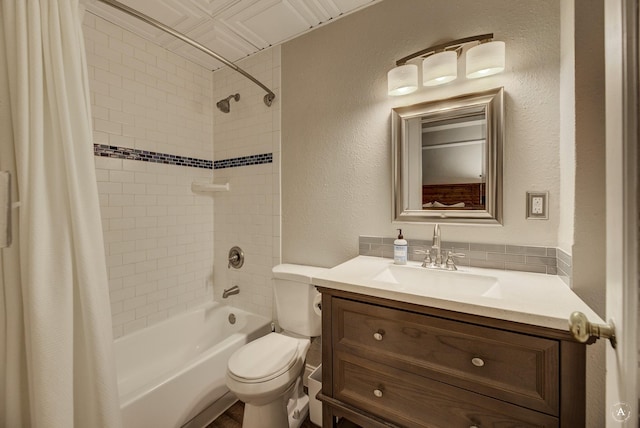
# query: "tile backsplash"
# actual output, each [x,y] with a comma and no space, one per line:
[545,260]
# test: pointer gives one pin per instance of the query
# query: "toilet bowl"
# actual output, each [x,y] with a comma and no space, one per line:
[266,374]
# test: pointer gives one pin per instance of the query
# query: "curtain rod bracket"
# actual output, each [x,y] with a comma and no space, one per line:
[268,98]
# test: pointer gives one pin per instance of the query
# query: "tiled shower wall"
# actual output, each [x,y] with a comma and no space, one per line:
[158,234]
[247,155]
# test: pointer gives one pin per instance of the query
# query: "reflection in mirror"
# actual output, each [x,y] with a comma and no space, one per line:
[448,160]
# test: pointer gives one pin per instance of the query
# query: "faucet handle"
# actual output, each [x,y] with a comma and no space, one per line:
[450,263]
[427,256]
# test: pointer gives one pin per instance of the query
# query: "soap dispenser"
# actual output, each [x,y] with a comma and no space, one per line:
[400,249]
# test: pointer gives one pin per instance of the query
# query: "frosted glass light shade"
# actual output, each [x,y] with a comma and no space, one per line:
[439,68]
[485,59]
[403,79]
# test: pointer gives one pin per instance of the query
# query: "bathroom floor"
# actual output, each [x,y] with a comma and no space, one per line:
[232,418]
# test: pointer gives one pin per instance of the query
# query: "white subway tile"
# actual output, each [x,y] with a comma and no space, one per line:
[121,223]
[124,317]
[133,189]
[133,281]
[121,271]
[148,309]
[108,187]
[118,176]
[122,294]
[136,325]
[134,257]
[108,102]
[135,302]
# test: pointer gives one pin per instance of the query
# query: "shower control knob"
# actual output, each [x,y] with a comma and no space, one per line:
[236,258]
[378,335]
[377,393]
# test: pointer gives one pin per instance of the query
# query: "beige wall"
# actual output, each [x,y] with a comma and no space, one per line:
[336,149]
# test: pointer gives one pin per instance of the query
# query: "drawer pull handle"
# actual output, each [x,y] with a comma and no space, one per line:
[377,393]
[378,335]
[478,362]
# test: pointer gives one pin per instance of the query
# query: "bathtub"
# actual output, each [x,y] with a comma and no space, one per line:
[172,374]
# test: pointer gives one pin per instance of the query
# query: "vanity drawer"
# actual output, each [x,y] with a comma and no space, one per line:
[413,401]
[513,367]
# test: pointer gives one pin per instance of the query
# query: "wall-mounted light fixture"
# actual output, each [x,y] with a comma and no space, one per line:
[440,65]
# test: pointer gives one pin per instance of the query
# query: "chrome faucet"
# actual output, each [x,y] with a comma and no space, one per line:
[436,262]
[437,245]
[230,291]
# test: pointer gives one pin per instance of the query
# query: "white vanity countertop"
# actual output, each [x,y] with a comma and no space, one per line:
[530,298]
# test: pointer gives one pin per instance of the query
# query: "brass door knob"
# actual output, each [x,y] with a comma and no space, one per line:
[583,330]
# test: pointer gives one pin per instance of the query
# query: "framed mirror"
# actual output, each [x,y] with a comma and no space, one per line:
[447,160]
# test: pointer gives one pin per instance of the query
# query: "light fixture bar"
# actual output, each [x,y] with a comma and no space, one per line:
[443,46]
[268,98]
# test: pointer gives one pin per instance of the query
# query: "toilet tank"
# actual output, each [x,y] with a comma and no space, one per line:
[294,297]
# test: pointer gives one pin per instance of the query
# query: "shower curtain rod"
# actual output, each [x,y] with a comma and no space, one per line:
[268,98]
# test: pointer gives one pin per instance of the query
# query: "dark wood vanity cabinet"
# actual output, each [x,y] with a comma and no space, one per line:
[395,364]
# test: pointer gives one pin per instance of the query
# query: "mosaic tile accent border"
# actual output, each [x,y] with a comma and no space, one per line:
[493,256]
[147,156]
[105,150]
[243,161]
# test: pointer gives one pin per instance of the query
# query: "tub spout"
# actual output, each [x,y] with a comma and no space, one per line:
[230,291]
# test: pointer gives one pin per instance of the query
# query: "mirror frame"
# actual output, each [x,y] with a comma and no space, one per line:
[493,103]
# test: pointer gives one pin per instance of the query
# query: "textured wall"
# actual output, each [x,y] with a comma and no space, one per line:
[336,149]
[158,234]
[248,215]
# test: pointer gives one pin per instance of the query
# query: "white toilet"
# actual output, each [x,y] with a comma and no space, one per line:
[266,374]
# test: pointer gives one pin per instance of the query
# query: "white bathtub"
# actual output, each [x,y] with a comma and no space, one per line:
[172,371]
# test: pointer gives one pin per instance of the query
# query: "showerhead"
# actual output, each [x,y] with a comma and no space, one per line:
[224,105]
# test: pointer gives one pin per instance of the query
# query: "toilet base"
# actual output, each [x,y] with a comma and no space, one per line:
[298,411]
[286,411]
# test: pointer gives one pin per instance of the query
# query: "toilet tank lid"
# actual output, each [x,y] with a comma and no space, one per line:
[299,273]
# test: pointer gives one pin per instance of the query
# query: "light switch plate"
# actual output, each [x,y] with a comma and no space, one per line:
[537,205]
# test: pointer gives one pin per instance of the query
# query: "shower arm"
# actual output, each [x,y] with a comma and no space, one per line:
[268,98]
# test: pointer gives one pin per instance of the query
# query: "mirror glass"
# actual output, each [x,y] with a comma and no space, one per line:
[447,159]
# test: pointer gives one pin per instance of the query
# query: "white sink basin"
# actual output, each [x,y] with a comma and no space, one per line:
[523,297]
[424,281]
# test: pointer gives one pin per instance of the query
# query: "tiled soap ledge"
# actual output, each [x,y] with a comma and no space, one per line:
[545,260]
[105,150]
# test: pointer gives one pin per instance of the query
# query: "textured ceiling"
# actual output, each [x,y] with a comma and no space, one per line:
[233,29]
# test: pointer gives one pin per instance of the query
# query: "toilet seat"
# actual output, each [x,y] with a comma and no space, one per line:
[263,359]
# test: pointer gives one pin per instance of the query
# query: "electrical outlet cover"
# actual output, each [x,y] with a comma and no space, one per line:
[538,205]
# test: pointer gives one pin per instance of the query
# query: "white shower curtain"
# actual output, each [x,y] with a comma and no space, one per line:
[56,358]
